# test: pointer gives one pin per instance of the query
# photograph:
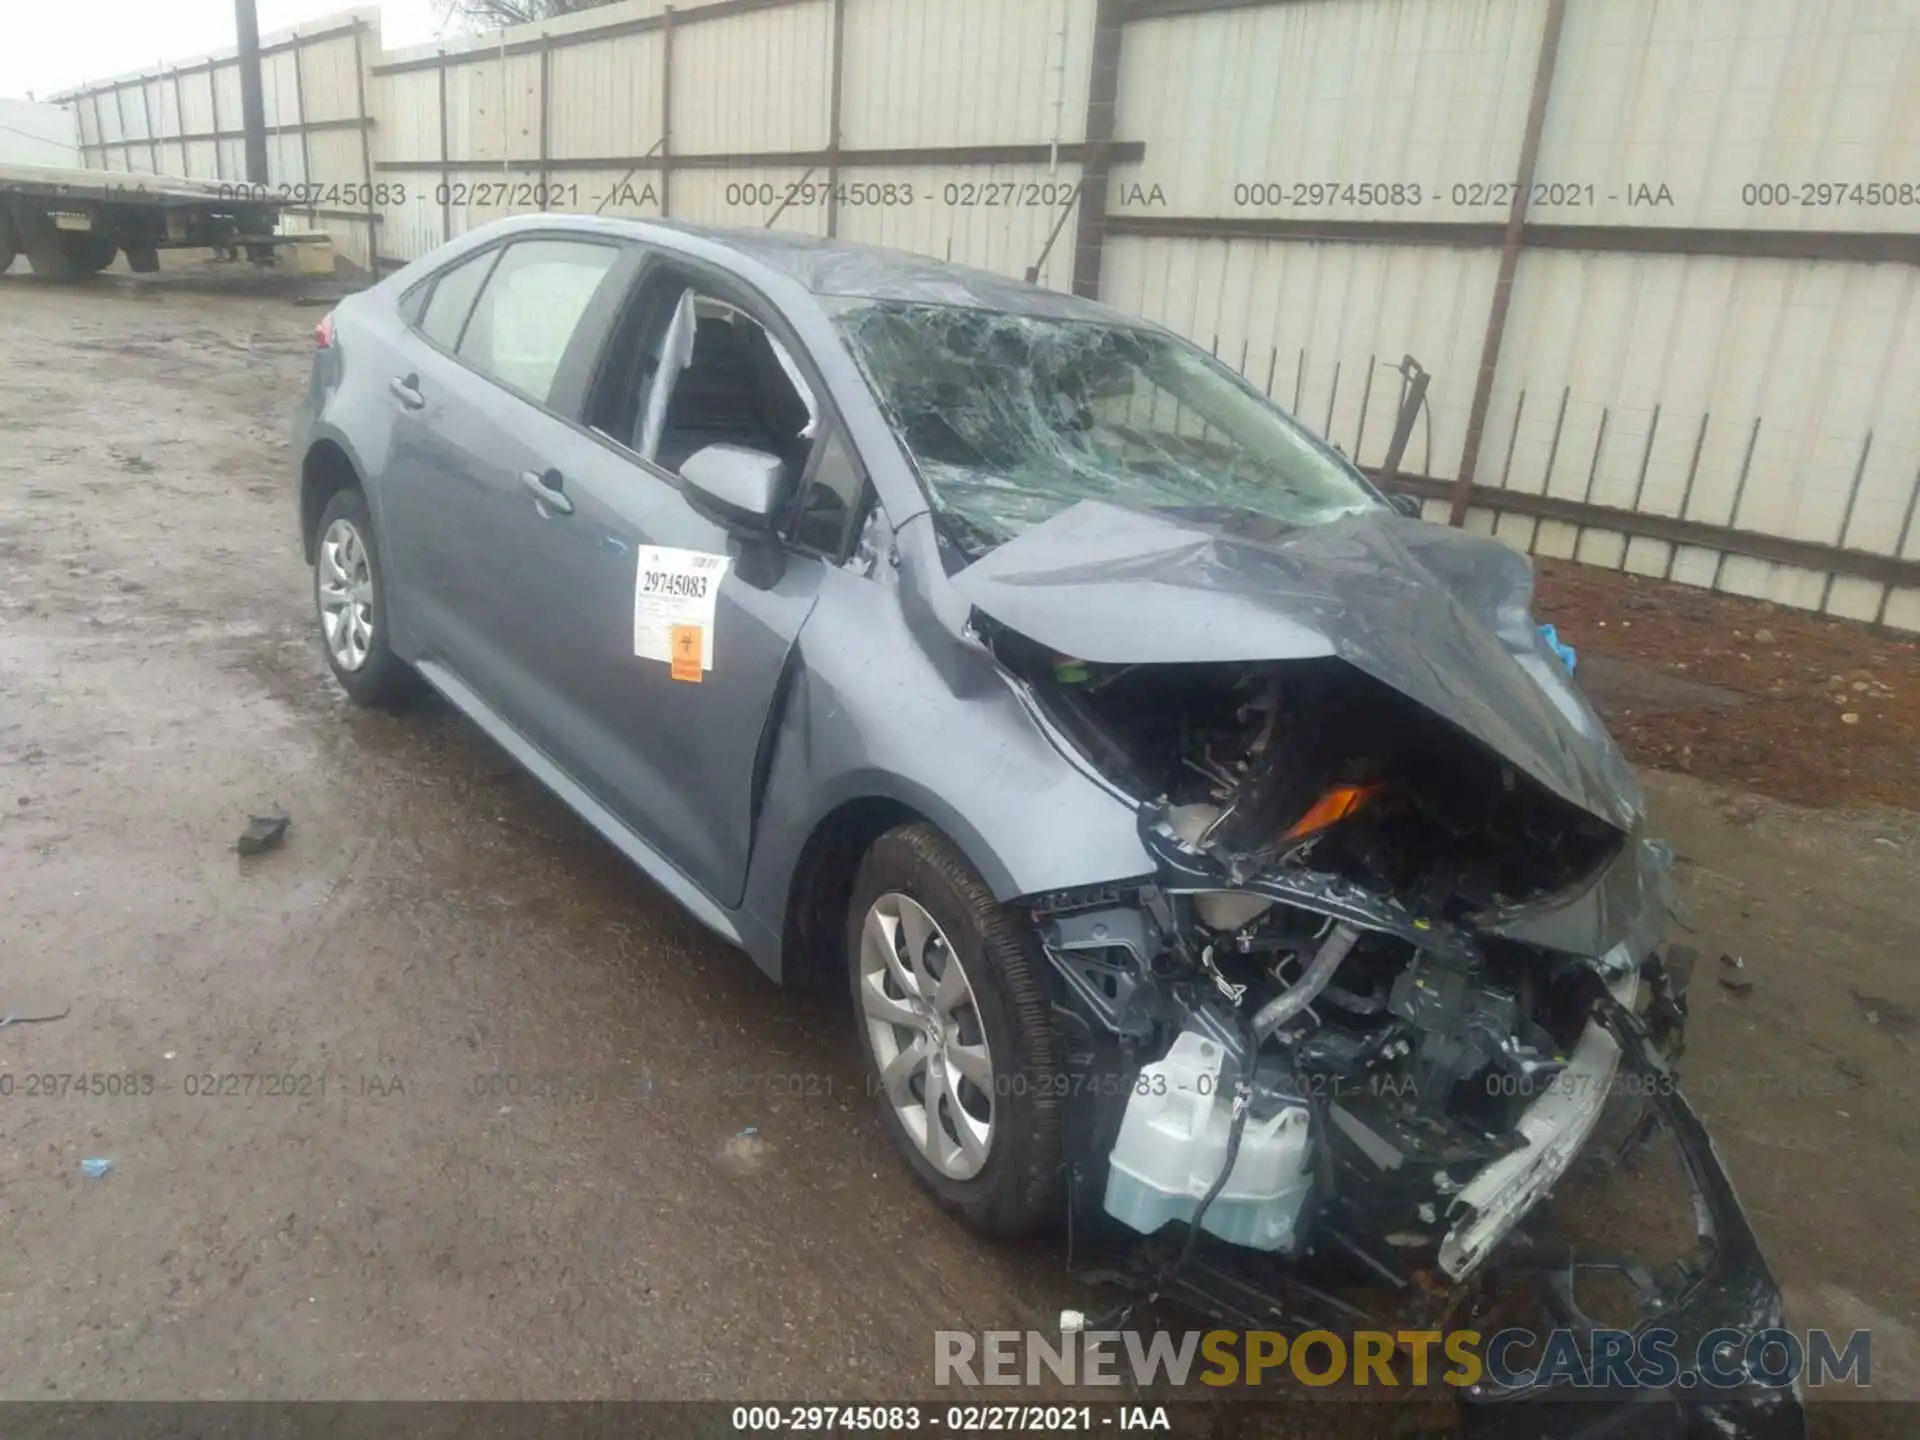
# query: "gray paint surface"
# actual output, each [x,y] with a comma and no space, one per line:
[1440,616]
[837,684]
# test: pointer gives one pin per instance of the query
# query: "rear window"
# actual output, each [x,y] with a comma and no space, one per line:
[452,299]
[532,304]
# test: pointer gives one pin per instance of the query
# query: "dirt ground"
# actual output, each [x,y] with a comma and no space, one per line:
[1750,694]
[556,1155]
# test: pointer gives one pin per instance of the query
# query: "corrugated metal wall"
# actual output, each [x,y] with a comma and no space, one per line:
[1709,363]
[184,119]
[35,133]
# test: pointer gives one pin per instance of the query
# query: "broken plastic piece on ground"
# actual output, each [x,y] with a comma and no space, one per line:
[30,1012]
[1742,988]
[96,1168]
[263,833]
[1566,652]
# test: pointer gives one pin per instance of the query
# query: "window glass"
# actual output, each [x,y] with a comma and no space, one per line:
[831,505]
[1011,419]
[415,301]
[722,379]
[530,308]
[452,298]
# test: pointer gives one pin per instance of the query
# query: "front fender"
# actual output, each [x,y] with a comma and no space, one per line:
[872,715]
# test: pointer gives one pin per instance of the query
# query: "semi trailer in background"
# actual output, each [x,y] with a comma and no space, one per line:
[72,222]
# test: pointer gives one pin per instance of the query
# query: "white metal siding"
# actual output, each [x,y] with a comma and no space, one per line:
[955,213]
[1633,381]
[758,82]
[1317,326]
[965,72]
[1707,96]
[747,197]
[606,97]
[1421,93]
[408,105]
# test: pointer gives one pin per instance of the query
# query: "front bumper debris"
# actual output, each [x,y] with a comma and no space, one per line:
[1733,1289]
[1530,1283]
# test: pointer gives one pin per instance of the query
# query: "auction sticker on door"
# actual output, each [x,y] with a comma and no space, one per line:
[674,594]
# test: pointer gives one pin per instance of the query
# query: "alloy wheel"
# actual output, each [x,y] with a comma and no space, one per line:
[345,592]
[927,1036]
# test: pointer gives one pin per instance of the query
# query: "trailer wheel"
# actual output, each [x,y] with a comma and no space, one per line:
[143,259]
[41,240]
[89,253]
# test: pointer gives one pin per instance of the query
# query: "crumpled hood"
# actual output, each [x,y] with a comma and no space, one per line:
[1441,616]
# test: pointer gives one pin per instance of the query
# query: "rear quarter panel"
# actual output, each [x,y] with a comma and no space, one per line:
[347,404]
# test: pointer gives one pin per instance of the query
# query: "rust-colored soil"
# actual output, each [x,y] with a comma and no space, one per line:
[1803,708]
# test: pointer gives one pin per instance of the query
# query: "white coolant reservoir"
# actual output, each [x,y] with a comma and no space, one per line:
[1225,910]
[1173,1142]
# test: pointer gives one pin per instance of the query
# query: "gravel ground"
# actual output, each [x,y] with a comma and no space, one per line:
[438,940]
[1792,705]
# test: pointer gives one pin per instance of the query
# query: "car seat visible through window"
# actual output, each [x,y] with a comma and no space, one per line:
[733,391]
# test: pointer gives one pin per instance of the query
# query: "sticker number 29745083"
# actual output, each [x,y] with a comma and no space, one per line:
[674,595]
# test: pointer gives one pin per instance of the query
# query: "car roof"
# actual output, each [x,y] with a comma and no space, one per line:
[842,270]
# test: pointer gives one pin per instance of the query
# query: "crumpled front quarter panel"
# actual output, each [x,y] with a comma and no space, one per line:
[882,706]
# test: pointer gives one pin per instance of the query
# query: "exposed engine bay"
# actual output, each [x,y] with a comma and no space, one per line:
[1312,762]
[1303,1034]
[1394,971]
[1326,1051]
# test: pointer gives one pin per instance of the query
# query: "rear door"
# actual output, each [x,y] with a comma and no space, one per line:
[499,345]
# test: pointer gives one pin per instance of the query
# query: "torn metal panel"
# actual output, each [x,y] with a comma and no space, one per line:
[1625,907]
[1436,615]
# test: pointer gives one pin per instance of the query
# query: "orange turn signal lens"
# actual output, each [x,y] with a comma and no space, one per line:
[1337,804]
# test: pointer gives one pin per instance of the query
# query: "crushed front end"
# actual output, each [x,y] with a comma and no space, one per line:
[1384,994]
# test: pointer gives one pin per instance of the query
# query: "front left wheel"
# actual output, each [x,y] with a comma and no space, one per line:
[349,596]
[949,993]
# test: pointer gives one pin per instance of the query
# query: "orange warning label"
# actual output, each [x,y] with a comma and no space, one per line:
[687,646]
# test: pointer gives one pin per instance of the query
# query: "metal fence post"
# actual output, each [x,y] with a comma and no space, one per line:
[1103,95]
[366,150]
[836,63]
[666,111]
[1509,260]
[300,119]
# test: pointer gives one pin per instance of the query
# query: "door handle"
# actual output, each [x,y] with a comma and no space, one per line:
[547,487]
[407,391]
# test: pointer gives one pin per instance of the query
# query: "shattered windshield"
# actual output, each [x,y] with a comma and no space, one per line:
[1012,419]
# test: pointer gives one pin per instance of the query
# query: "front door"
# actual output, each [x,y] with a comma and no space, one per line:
[670,634]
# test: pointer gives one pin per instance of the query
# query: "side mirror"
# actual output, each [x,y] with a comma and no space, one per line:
[743,489]
[1407,505]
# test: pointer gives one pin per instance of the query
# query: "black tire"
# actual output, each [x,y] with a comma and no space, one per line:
[1019,1188]
[41,239]
[143,259]
[382,680]
[89,253]
[9,243]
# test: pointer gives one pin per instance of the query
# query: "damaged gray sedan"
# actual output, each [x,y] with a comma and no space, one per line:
[1216,858]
